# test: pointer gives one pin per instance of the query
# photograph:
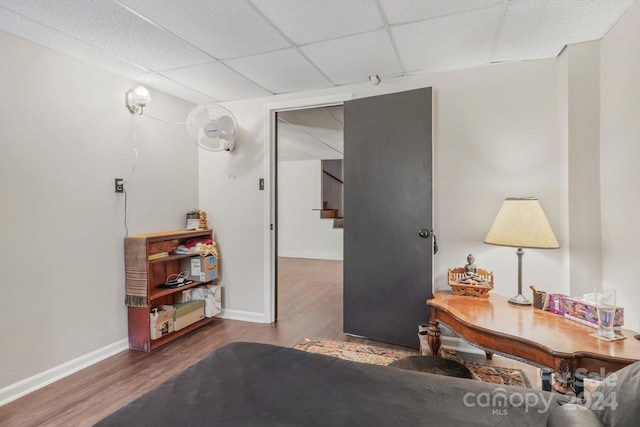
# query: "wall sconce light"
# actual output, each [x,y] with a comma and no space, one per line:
[136,99]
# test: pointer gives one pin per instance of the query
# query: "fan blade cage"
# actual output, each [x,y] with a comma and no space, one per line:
[212,127]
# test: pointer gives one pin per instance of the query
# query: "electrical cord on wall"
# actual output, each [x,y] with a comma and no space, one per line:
[126,227]
[135,164]
[128,180]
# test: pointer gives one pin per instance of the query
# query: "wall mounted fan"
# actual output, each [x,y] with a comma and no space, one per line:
[212,127]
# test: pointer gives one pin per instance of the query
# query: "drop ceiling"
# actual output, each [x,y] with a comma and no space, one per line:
[311,134]
[220,50]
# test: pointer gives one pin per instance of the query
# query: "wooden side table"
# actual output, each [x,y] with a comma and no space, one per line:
[538,337]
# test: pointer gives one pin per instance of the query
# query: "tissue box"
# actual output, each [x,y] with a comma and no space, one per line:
[203,269]
[556,303]
[586,312]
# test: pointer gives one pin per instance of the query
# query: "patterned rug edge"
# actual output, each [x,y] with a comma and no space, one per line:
[486,373]
[366,353]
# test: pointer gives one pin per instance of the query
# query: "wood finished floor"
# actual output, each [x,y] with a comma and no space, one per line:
[309,305]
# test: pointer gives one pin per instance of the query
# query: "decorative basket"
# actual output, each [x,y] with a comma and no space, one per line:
[478,289]
[163,246]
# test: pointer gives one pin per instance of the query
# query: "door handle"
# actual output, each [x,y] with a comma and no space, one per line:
[425,234]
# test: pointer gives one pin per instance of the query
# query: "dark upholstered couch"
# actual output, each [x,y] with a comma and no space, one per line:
[249,384]
[615,403]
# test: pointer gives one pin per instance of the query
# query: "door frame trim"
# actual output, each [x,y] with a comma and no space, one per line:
[270,110]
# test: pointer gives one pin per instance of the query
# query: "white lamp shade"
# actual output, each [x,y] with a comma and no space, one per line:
[141,96]
[521,223]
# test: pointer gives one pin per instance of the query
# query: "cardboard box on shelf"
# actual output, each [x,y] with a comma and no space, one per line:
[184,296]
[188,313]
[202,269]
[161,322]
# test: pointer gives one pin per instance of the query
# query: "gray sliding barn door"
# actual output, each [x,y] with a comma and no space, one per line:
[387,200]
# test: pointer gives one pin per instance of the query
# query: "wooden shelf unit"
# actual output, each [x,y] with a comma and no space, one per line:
[148,275]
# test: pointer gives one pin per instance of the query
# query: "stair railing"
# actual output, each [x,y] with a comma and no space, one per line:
[333,176]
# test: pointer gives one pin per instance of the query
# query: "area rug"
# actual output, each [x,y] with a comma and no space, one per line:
[384,356]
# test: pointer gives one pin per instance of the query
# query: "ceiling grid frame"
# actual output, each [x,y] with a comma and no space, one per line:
[162,43]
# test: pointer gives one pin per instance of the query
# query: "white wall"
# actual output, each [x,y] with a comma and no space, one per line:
[620,151]
[65,134]
[229,192]
[496,134]
[583,141]
[302,233]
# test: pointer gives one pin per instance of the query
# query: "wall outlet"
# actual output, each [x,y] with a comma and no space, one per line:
[119,185]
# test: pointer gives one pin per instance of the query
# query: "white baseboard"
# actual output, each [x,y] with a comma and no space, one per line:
[459,345]
[31,384]
[331,257]
[245,316]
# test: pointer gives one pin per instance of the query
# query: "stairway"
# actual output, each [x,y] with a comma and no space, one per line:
[328,213]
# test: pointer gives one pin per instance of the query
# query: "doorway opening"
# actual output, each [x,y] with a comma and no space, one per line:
[309,188]
[305,119]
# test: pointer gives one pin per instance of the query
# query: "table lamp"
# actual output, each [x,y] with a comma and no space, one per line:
[521,223]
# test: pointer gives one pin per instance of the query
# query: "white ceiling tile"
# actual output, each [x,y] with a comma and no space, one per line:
[335,140]
[451,42]
[155,81]
[337,112]
[288,153]
[305,148]
[296,139]
[536,29]
[114,29]
[53,39]
[218,81]
[281,72]
[223,28]
[306,21]
[353,59]
[399,11]
[321,119]
[310,134]
[293,151]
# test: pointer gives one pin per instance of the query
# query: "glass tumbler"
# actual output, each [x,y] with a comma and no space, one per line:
[606,307]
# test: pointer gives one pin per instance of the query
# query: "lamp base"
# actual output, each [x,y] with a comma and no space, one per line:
[520,300]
